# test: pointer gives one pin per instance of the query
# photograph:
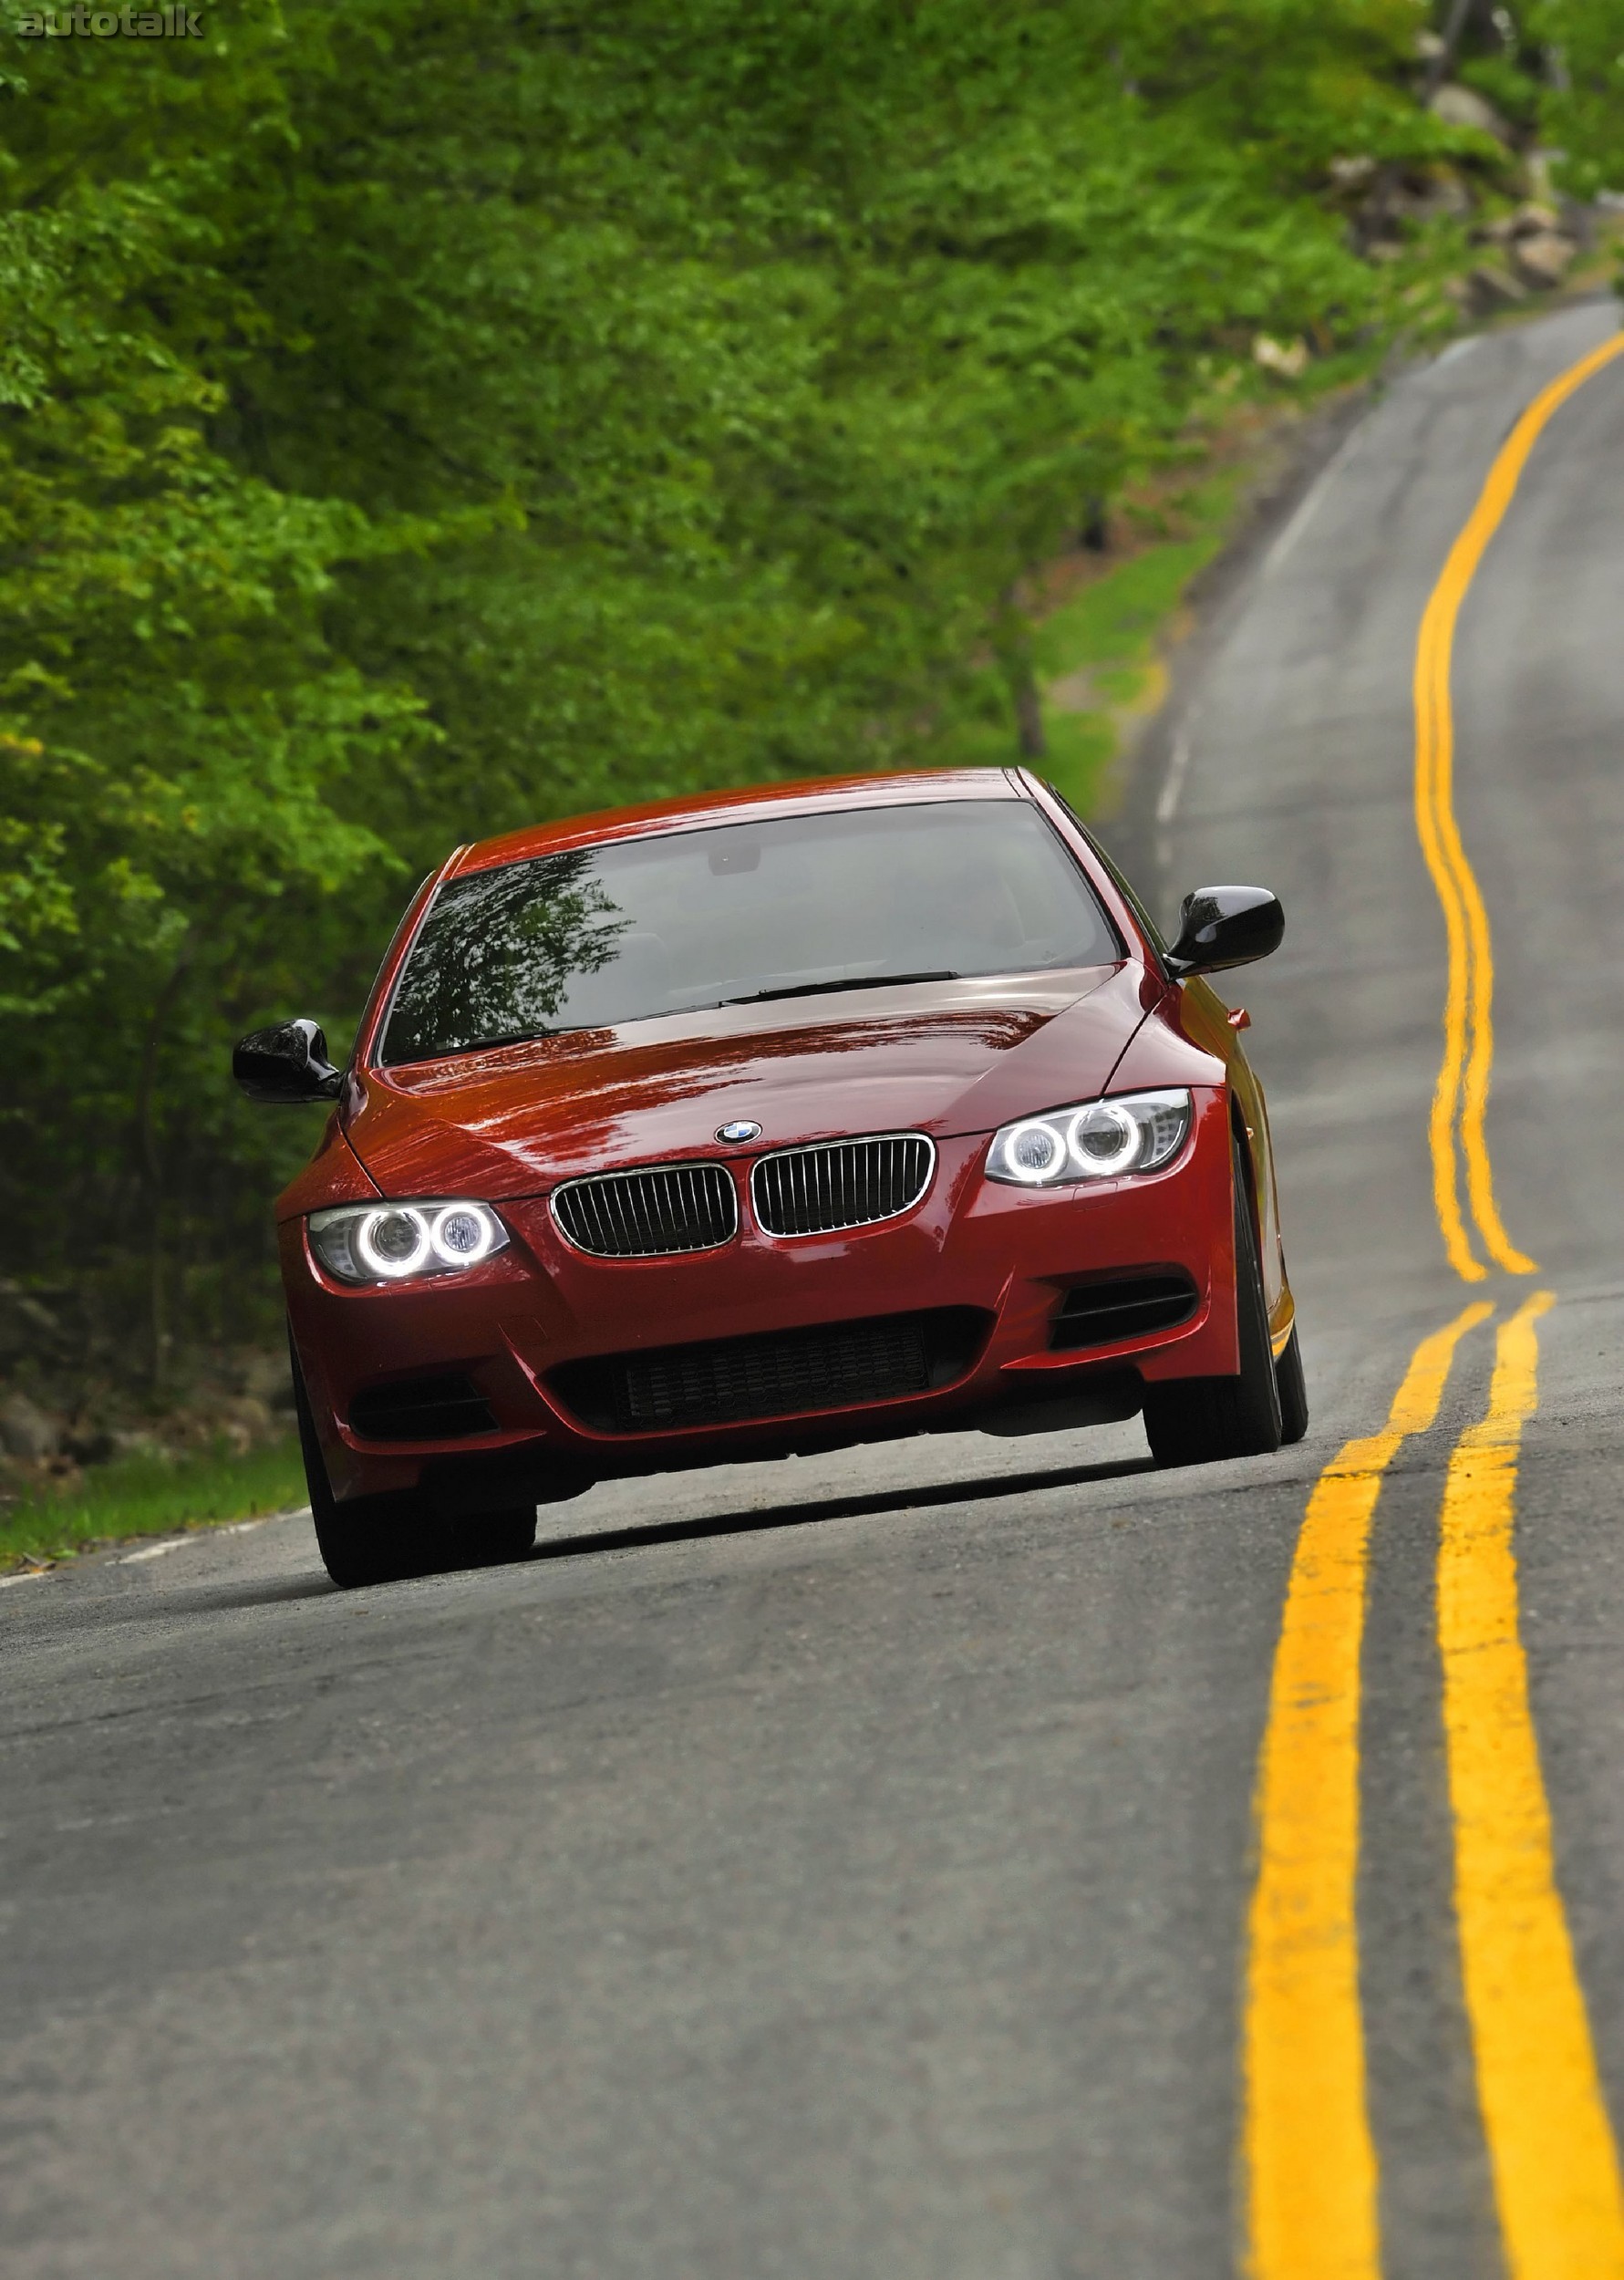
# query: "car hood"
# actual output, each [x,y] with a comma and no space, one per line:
[941,1058]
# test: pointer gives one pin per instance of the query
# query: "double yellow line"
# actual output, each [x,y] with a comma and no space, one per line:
[1550,2143]
[1310,2162]
[1311,2172]
[1311,2177]
[1461,1095]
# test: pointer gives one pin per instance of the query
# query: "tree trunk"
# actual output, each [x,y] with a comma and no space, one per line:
[1029,717]
[151,1168]
[1013,641]
[1460,15]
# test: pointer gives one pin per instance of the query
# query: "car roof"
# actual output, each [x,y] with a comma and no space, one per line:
[708,808]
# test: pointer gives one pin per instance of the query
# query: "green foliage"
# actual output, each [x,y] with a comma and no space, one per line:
[1513,92]
[1105,637]
[417,419]
[151,1496]
[1583,113]
[1112,623]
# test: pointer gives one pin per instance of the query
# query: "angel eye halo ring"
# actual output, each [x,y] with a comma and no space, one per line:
[1119,1138]
[1033,1153]
[1105,1139]
[403,1242]
[394,1243]
[461,1234]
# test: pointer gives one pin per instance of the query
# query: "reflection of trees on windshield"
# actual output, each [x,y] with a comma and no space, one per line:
[598,937]
[499,952]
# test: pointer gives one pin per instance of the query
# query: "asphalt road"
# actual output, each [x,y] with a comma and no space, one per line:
[855,1881]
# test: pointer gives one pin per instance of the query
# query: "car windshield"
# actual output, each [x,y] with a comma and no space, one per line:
[788,906]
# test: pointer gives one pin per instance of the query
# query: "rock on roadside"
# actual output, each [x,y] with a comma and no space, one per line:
[27,1328]
[27,1431]
[1459,106]
[1544,259]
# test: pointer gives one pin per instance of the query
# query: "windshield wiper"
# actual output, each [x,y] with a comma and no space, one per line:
[859,981]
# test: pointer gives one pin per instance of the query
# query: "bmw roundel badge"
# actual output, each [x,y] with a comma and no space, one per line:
[742,1130]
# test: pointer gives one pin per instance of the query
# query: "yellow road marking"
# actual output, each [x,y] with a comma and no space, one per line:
[1551,2149]
[1310,2162]
[1461,1091]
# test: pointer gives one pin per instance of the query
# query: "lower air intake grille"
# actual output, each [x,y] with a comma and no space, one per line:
[783,1376]
[652,1214]
[845,1183]
[1096,1312]
[421,1409]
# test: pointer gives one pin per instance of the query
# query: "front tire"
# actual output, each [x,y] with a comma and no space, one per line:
[1203,1420]
[386,1539]
[1293,1390]
[389,1540]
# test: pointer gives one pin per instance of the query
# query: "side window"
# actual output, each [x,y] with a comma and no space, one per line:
[1151,932]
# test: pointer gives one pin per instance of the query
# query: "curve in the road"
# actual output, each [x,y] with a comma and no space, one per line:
[842,1867]
[1312,2177]
[1461,1096]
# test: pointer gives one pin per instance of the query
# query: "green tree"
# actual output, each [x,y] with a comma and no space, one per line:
[417,419]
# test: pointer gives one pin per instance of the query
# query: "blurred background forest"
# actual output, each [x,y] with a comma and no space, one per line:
[419,419]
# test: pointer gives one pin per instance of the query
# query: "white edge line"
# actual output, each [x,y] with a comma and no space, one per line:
[242,1527]
[1302,519]
[174,1544]
[1177,769]
[206,1534]
[1455,348]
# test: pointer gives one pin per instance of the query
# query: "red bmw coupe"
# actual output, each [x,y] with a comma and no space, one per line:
[768,1121]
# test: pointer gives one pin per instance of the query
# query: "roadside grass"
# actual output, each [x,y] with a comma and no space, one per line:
[1098,643]
[1099,653]
[1100,649]
[151,1495]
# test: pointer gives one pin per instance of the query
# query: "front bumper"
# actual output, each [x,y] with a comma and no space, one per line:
[1008,1255]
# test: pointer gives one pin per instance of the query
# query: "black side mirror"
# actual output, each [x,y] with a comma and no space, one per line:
[1225,926]
[287,1063]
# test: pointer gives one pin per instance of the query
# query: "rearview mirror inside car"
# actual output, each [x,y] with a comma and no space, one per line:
[1225,926]
[286,1064]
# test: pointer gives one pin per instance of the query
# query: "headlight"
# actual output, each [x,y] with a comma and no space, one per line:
[1135,1132]
[402,1242]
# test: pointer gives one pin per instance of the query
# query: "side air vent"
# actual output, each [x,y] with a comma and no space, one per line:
[840,1183]
[421,1409]
[654,1214]
[837,1366]
[1096,1313]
